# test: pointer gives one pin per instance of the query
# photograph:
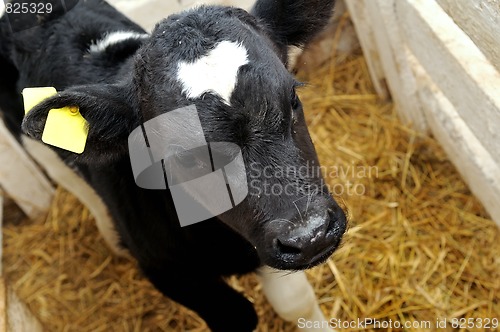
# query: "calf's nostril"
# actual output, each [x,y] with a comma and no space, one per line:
[336,221]
[331,220]
[287,247]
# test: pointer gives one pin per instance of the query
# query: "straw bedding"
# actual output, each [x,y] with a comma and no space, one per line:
[419,247]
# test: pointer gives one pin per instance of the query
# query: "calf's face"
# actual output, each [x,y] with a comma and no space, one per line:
[225,64]
[231,66]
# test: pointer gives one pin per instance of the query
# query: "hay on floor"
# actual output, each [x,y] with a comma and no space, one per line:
[419,247]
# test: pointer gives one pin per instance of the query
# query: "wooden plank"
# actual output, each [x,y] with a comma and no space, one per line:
[455,64]
[20,177]
[364,27]
[476,165]
[19,318]
[14,315]
[480,20]
[69,180]
[400,78]
[3,295]
[3,306]
[1,233]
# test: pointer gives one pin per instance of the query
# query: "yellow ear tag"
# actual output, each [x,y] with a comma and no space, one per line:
[34,96]
[67,129]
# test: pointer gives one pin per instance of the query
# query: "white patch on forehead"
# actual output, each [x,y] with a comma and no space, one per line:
[115,38]
[217,72]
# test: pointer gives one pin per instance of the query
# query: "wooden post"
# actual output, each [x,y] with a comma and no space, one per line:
[442,78]
[21,178]
[14,315]
[480,20]
[386,55]
[456,66]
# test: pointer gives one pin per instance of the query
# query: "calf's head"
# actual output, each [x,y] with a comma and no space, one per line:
[232,66]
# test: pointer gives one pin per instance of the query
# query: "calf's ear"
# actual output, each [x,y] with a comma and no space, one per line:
[293,22]
[109,112]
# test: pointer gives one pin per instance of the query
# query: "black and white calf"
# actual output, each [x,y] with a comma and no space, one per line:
[231,65]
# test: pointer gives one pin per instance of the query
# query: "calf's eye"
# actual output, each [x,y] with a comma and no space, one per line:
[187,159]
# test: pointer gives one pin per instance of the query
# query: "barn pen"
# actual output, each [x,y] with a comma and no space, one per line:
[406,128]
